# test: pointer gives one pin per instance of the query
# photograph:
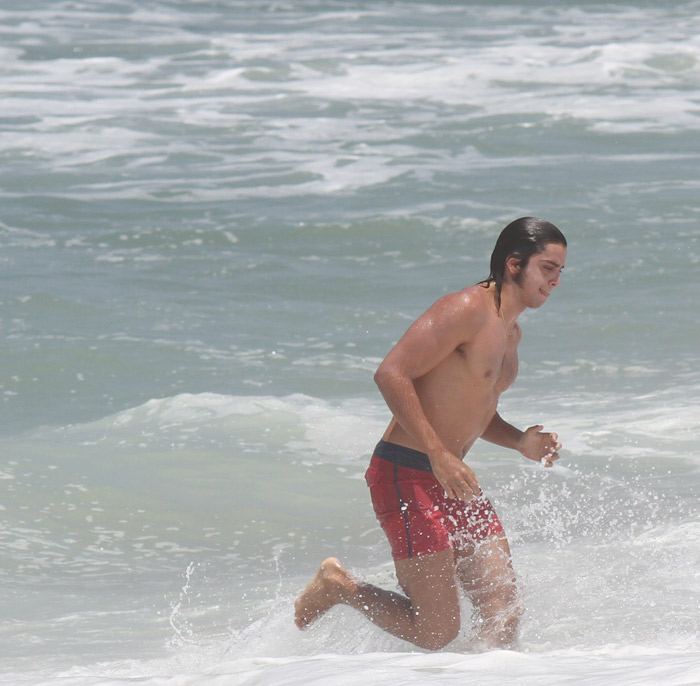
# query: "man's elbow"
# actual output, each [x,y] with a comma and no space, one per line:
[389,378]
[383,376]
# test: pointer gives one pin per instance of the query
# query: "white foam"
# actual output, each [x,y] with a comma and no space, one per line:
[593,73]
[339,432]
[633,666]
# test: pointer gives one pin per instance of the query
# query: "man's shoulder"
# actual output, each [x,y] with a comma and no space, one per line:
[470,303]
[473,298]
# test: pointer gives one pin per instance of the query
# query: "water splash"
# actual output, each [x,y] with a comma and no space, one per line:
[183,633]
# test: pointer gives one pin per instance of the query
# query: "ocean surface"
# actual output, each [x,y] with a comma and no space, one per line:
[216,218]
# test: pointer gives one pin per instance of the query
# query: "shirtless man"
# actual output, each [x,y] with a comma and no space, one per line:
[442,382]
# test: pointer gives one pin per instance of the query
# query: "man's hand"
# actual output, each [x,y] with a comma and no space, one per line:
[454,476]
[540,446]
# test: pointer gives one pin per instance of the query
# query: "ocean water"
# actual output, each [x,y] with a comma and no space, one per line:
[215,220]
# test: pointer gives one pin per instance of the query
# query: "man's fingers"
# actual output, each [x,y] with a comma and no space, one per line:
[456,492]
[554,450]
[463,491]
[467,492]
[474,486]
[548,460]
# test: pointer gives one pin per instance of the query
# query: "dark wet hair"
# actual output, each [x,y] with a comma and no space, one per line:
[522,238]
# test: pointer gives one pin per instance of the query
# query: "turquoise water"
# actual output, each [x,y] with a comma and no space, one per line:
[215,221]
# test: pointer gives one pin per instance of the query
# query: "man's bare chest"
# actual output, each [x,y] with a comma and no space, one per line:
[490,367]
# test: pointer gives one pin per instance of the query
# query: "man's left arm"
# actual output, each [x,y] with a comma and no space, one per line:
[533,443]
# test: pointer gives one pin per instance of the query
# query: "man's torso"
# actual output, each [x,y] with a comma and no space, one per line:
[460,394]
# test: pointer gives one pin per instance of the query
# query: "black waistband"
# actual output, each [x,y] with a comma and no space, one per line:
[402,456]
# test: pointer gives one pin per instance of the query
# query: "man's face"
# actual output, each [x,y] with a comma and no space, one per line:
[541,275]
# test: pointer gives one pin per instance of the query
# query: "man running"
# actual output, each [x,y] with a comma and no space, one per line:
[442,382]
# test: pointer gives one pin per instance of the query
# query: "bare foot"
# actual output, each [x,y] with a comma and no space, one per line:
[329,587]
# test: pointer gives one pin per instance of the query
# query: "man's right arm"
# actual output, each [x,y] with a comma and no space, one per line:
[433,336]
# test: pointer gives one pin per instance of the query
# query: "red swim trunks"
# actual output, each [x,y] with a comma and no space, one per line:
[412,508]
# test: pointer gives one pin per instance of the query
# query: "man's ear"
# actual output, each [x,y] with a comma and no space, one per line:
[513,266]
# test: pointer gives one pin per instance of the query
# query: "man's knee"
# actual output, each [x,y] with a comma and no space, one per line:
[438,639]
